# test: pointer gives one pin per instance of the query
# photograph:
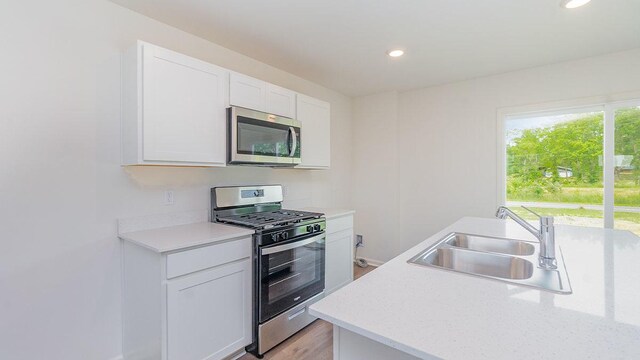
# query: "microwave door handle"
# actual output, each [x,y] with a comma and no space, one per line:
[293,141]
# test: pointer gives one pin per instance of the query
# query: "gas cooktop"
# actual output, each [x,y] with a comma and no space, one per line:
[268,219]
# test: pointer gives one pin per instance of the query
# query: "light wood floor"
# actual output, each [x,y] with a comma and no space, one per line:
[315,342]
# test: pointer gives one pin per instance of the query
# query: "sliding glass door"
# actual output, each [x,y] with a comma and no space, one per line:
[626,168]
[580,165]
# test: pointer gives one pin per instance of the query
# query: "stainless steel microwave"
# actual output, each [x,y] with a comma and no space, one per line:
[259,138]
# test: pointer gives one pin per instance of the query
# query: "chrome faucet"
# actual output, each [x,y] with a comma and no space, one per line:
[545,235]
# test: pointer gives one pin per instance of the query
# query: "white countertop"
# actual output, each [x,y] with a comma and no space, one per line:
[330,213]
[181,236]
[184,236]
[430,312]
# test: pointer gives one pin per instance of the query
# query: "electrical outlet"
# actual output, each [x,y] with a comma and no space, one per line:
[359,240]
[168,197]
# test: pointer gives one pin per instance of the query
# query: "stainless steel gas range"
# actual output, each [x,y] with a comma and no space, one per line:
[288,259]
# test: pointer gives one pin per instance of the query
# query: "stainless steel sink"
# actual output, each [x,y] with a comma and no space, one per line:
[473,262]
[490,244]
[508,260]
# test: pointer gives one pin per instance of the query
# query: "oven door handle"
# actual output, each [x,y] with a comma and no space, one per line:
[293,142]
[289,246]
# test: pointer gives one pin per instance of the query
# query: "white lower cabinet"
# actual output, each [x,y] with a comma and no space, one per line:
[205,314]
[339,253]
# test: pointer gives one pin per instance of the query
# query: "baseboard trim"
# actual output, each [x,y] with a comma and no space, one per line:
[236,355]
[373,262]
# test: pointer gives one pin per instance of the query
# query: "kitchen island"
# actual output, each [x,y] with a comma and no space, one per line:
[405,311]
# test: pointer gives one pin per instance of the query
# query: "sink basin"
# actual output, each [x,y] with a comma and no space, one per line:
[473,262]
[508,260]
[490,244]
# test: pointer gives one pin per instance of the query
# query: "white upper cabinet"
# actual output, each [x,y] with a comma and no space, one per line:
[173,109]
[315,137]
[281,101]
[247,92]
[254,94]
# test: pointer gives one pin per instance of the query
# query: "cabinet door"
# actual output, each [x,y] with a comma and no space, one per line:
[184,116]
[209,312]
[247,92]
[315,137]
[281,101]
[338,260]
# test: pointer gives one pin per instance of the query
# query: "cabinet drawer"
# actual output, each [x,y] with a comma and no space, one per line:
[339,224]
[189,261]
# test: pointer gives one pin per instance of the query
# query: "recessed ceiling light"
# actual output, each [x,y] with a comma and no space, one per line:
[572,4]
[395,53]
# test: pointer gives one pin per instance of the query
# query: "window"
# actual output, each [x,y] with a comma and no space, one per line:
[626,169]
[581,166]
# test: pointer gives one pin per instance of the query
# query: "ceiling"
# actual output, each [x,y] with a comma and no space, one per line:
[341,44]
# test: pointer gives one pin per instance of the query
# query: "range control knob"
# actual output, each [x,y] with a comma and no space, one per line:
[274,237]
[316,227]
[310,228]
[284,235]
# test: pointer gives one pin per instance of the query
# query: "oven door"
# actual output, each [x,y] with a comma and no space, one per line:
[257,137]
[290,273]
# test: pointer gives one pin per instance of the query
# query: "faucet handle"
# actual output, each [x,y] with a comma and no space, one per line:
[531,211]
[544,220]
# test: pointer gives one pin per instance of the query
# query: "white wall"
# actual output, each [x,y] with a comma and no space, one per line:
[61,186]
[446,140]
[375,172]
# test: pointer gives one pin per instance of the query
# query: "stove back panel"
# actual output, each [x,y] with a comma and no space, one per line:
[231,196]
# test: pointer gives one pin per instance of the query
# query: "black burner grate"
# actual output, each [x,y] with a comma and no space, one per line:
[269,218]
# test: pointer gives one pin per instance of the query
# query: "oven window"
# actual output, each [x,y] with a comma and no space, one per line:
[291,276]
[256,137]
